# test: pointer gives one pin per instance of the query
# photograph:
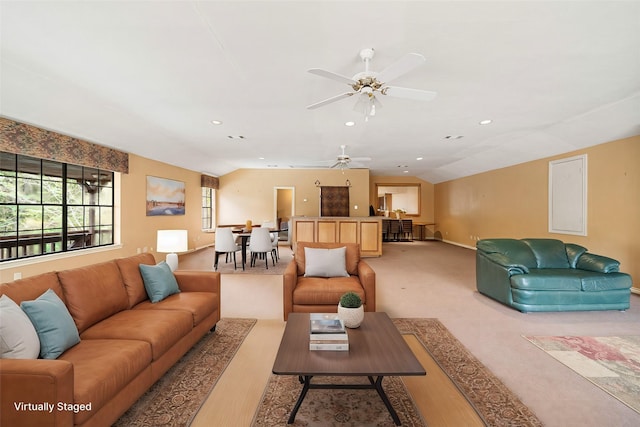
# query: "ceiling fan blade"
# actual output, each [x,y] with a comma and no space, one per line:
[361,159]
[332,76]
[400,67]
[408,93]
[330,100]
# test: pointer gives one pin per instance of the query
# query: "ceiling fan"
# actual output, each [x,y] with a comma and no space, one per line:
[342,161]
[370,83]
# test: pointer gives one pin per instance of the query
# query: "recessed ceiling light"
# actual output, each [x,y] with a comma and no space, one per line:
[235,137]
[486,122]
[453,137]
[350,124]
[419,158]
[405,171]
[216,122]
[260,158]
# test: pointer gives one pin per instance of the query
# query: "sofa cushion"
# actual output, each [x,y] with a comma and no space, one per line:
[32,287]
[53,323]
[18,337]
[515,251]
[200,304]
[100,373]
[160,328]
[596,282]
[93,293]
[132,278]
[159,281]
[549,253]
[352,257]
[548,279]
[323,291]
[321,262]
[574,252]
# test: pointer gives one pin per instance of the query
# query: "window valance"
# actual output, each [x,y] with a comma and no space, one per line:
[20,138]
[209,182]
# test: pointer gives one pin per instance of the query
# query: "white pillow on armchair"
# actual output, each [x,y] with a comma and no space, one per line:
[321,262]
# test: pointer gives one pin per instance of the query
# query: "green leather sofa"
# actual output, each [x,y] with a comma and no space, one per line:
[549,275]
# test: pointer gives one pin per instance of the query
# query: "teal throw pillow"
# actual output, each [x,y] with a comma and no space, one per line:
[54,325]
[159,281]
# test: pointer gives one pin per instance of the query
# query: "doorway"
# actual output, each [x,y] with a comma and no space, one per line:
[284,209]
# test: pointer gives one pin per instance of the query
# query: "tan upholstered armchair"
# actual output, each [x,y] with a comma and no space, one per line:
[312,293]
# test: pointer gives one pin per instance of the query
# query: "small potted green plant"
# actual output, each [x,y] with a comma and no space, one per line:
[351,310]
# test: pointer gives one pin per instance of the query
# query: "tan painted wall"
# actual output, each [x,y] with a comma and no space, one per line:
[249,193]
[513,202]
[137,230]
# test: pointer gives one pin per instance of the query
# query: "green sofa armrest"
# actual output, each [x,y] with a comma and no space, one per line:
[504,261]
[598,263]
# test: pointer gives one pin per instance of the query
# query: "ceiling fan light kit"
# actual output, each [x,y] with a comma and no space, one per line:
[369,83]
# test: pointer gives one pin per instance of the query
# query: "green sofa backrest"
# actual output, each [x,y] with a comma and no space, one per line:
[549,253]
[534,253]
[516,251]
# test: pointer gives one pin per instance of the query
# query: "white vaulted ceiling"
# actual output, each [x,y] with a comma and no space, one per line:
[148,77]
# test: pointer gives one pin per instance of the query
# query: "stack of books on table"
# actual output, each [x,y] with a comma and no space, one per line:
[327,332]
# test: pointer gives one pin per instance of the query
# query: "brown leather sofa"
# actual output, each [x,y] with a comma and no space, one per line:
[127,343]
[322,294]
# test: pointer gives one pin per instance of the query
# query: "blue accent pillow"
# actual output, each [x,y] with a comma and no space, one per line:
[55,326]
[159,281]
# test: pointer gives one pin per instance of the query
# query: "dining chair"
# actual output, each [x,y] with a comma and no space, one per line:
[407,229]
[274,236]
[260,244]
[225,244]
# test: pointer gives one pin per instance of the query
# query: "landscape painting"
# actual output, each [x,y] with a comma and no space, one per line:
[164,196]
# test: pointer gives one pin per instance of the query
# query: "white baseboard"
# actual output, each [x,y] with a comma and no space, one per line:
[458,244]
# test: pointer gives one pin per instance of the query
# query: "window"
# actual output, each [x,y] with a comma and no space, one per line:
[50,207]
[208,207]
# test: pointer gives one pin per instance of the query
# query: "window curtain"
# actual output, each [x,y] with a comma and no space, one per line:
[209,182]
[20,138]
[334,201]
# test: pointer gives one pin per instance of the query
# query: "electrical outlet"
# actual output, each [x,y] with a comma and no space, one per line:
[17,276]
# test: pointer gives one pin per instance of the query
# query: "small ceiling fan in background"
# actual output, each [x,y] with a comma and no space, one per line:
[369,83]
[342,161]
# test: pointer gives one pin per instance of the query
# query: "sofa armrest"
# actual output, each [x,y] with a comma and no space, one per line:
[598,263]
[35,381]
[368,281]
[289,283]
[198,281]
[503,260]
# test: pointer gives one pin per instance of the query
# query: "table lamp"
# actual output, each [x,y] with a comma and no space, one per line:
[170,242]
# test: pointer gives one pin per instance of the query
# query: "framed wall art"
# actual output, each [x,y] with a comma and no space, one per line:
[164,196]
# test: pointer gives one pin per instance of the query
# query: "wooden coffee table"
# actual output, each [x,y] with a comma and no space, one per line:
[376,349]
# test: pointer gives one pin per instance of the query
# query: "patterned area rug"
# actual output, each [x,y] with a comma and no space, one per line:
[493,402]
[178,395]
[611,363]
